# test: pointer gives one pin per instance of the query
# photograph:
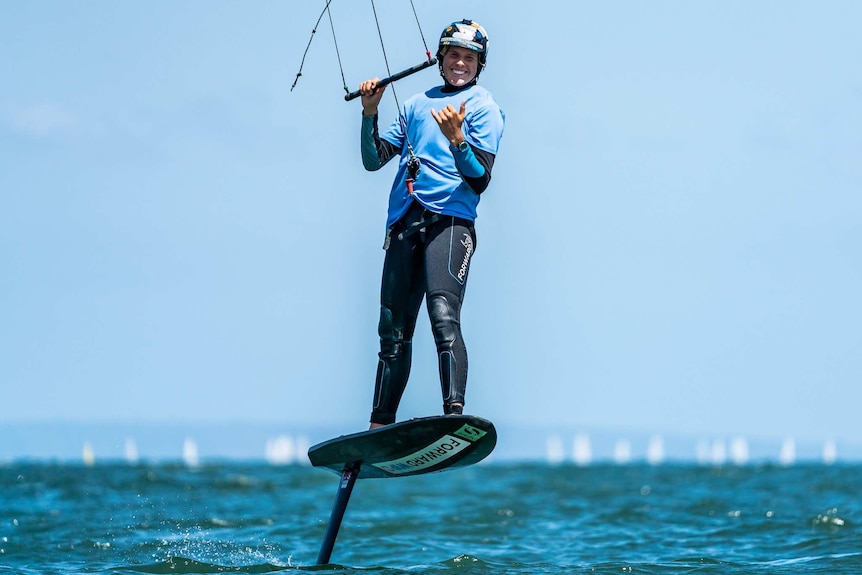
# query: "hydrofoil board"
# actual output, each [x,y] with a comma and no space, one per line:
[412,447]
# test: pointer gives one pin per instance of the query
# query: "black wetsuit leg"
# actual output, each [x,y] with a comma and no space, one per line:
[401,291]
[449,248]
[432,258]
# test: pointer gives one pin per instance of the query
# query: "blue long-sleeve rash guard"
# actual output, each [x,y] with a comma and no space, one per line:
[475,165]
[449,182]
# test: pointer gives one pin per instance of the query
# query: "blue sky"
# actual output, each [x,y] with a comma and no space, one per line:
[670,242]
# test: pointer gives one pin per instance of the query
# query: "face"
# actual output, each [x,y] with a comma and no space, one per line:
[460,65]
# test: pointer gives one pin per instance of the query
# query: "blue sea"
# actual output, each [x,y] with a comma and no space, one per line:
[501,518]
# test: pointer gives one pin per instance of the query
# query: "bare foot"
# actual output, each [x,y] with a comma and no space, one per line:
[375,426]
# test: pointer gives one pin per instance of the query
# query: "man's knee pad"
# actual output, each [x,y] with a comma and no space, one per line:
[392,340]
[445,322]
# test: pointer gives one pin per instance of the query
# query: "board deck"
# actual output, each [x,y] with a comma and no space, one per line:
[412,447]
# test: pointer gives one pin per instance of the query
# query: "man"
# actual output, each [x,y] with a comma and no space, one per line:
[447,139]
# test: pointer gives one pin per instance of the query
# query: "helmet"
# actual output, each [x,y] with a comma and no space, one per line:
[466,34]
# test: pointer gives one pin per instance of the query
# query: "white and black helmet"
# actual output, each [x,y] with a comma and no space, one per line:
[466,34]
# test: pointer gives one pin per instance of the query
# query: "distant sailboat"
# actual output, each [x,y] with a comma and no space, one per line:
[622,452]
[131,451]
[190,453]
[830,452]
[739,451]
[88,454]
[281,450]
[787,456]
[582,451]
[655,450]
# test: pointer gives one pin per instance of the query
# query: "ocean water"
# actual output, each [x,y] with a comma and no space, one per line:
[501,518]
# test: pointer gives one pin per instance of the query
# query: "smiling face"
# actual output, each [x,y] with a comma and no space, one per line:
[460,65]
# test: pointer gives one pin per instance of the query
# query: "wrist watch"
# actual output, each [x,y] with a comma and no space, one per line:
[462,147]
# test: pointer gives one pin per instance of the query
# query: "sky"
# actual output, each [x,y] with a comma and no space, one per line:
[670,243]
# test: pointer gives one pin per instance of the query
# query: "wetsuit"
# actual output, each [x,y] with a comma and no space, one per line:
[430,238]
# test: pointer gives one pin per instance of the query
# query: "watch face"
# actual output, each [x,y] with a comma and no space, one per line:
[464,146]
